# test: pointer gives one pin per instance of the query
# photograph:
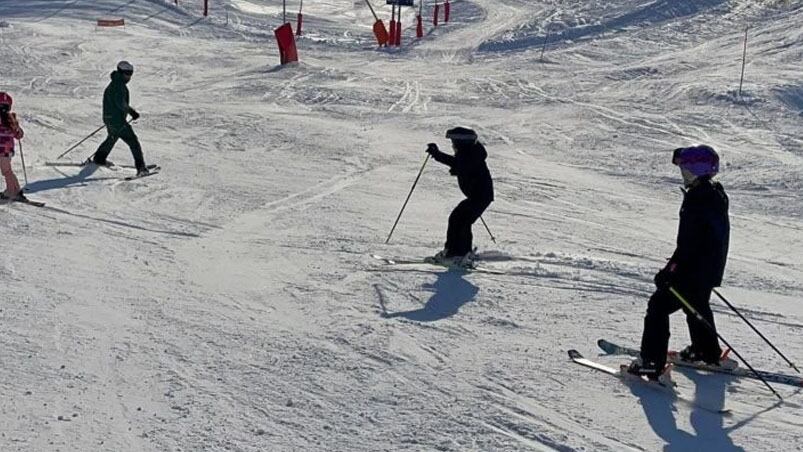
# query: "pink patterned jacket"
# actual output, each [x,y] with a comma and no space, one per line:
[8,133]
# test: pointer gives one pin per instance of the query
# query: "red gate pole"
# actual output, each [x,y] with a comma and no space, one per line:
[398,29]
[419,27]
[393,26]
[300,19]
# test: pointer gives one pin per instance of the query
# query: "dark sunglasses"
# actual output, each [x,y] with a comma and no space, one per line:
[129,73]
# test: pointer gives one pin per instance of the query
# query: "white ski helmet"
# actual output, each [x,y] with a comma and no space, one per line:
[125,66]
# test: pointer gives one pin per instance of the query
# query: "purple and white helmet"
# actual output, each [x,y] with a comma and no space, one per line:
[700,160]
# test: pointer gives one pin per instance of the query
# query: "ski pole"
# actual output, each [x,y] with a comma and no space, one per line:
[408,198]
[493,239]
[705,322]
[79,143]
[755,329]
[22,156]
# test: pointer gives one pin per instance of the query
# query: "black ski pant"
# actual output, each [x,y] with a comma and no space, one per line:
[458,234]
[655,339]
[126,133]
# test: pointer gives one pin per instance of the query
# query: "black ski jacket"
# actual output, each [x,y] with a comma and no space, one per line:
[473,177]
[703,236]
[115,102]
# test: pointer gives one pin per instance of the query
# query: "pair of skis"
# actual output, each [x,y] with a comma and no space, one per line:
[673,359]
[430,262]
[153,169]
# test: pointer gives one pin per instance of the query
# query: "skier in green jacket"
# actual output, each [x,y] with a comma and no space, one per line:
[115,111]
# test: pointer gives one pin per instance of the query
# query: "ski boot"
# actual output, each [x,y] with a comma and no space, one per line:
[651,372]
[691,355]
[450,260]
[438,259]
[106,163]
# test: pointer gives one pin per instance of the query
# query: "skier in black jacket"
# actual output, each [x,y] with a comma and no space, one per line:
[115,111]
[696,266]
[474,179]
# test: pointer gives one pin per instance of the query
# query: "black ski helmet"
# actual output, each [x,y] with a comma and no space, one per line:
[462,134]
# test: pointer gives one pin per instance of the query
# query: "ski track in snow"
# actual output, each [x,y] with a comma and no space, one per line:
[231,302]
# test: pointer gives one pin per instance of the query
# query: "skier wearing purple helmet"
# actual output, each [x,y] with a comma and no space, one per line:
[695,268]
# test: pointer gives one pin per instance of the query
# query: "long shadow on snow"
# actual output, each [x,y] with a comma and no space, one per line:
[652,14]
[710,433]
[79,179]
[451,292]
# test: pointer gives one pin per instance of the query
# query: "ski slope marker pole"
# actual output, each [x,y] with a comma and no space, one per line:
[705,322]
[733,308]
[546,39]
[744,59]
[408,198]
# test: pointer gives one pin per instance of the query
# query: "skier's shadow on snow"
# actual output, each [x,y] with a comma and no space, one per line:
[451,292]
[79,179]
[709,431]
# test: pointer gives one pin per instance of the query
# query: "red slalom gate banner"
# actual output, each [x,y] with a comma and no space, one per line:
[381,33]
[446,8]
[287,44]
[419,28]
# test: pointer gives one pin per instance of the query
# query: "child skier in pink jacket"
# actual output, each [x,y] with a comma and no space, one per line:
[10,130]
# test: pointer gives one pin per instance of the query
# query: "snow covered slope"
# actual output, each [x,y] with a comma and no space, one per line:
[231,302]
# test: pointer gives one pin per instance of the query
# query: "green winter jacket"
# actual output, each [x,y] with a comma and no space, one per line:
[115,102]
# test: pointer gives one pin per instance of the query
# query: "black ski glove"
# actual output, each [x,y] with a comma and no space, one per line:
[666,277]
[133,113]
[432,149]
